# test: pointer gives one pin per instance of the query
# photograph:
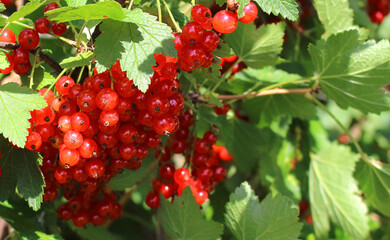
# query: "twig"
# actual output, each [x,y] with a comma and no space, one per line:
[159,11]
[33,68]
[178,29]
[131,4]
[265,93]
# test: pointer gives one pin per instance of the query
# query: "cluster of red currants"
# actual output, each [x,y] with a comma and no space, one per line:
[93,130]
[202,156]
[377,10]
[197,41]
[29,39]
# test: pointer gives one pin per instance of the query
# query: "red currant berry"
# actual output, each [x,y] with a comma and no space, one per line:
[20,55]
[64,213]
[22,68]
[167,190]
[34,141]
[182,175]
[64,84]
[50,6]
[201,196]
[202,15]
[192,32]
[128,133]
[62,175]
[157,105]
[81,218]
[58,28]
[166,171]
[107,99]
[109,117]
[42,25]
[7,36]
[210,137]
[210,40]
[73,139]
[225,21]
[152,200]
[46,131]
[250,13]
[87,101]
[165,124]
[94,168]
[222,110]
[28,39]
[69,157]
[219,173]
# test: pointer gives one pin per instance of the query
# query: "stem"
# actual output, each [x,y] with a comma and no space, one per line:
[22,24]
[52,85]
[159,11]
[193,2]
[80,74]
[2,30]
[265,93]
[131,4]
[324,108]
[33,68]
[80,33]
[178,29]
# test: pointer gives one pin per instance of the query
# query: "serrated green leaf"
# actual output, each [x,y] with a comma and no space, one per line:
[183,219]
[287,8]
[257,47]
[100,10]
[134,45]
[127,179]
[75,3]
[351,72]
[2,7]
[220,2]
[80,60]
[26,10]
[4,63]
[273,218]
[223,50]
[15,104]
[23,221]
[233,133]
[20,171]
[374,179]
[335,15]
[332,191]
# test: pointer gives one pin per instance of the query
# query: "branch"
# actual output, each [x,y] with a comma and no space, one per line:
[265,93]
[42,56]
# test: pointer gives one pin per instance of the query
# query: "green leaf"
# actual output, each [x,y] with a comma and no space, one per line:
[95,233]
[127,179]
[233,133]
[4,63]
[223,50]
[374,179]
[2,7]
[220,2]
[273,218]
[15,104]
[257,47]
[24,223]
[20,171]
[134,45]
[351,71]
[41,78]
[242,3]
[80,60]
[47,80]
[75,3]
[332,191]
[287,8]
[335,15]
[183,219]
[100,10]
[26,10]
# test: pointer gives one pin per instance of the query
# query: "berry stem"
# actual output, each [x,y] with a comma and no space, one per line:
[22,25]
[52,85]
[33,68]
[178,29]
[131,4]
[324,108]
[159,11]
[80,74]
[80,33]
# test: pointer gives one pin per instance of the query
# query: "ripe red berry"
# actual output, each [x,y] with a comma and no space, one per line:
[222,110]
[94,168]
[20,55]
[69,157]
[210,40]
[34,141]
[182,175]
[250,13]
[64,84]
[166,171]
[109,117]
[22,68]
[202,15]
[50,6]
[225,21]
[152,200]
[58,28]
[73,139]
[165,124]
[80,121]
[166,190]
[87,101]
[64,212]
[7,36]
[28,39]
[107,99]
[81,218]
[88,148]
[192,32]
[210,137]
[157,105]
[46,131]
[42,25]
